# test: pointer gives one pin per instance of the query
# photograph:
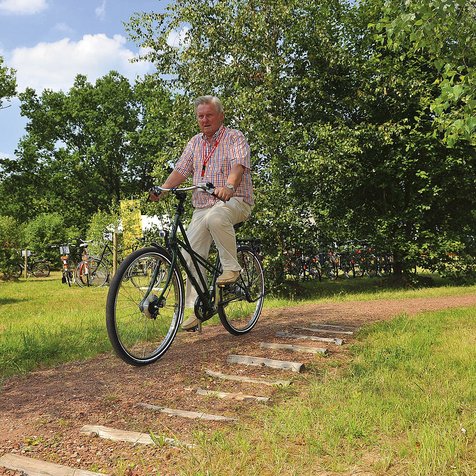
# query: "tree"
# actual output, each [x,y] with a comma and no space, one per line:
[84,150]
[7,82]
[423,164]
[45,233]
[444,32]
[250,54]
[9,242]
[345,112]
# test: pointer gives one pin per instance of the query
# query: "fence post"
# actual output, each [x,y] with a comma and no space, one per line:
[114,251]
[26,264]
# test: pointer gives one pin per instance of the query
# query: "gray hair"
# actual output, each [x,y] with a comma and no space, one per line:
[209,100]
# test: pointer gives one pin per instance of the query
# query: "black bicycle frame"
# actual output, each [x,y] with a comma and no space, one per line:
[174,244]
[204,289]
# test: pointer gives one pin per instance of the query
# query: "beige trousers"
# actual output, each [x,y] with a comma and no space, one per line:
[215,224]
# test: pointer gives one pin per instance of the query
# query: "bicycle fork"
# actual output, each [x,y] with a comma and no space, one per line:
[151,304]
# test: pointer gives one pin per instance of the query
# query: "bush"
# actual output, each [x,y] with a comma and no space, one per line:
[9,242]
[46,230]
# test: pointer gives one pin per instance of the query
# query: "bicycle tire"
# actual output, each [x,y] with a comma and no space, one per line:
[140,335]
[12,271]
[79,273]
[240,304]
[40,269]
[91,273]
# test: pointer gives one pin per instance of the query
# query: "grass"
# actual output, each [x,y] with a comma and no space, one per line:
[367,289]
[405,404]
[44,322]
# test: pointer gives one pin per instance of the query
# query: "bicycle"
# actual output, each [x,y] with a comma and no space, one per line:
[38,269]
[67,267]
[145,303]
[92,270]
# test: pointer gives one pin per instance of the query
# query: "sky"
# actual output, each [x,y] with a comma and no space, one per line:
[49,42]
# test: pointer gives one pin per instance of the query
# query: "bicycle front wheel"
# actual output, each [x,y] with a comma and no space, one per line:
[144,306]
[12,271]
[240,304]
[40,269]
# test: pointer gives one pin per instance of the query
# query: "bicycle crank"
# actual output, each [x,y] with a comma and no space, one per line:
[203,312]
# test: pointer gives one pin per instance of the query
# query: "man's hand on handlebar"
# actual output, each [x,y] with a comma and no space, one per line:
[155,196]
[223,193]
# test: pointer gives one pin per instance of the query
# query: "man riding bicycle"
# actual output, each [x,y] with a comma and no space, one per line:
[219,155]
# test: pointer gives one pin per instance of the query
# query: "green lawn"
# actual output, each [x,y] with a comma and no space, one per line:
[403,405]
[44,322]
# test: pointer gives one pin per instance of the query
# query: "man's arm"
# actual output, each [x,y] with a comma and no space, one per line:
[173,180]
[234,178]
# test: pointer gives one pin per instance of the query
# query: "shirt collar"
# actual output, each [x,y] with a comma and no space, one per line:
[215,136]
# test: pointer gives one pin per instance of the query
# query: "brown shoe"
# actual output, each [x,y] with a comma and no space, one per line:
[190,323]
[228,277]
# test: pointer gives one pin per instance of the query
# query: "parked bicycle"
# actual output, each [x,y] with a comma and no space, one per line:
[67,265]
[92,270]
[145,303]
[36,268]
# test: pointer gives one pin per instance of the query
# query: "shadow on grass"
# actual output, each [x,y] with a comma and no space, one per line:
[11,300]
[315,289]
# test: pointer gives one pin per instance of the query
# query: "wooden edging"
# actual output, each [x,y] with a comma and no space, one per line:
[134,437]
[31,466]
[332,340]
[239,378]
[261,361]
[333,326]
[185,413]
[325,331]
[294,348]
[231,396]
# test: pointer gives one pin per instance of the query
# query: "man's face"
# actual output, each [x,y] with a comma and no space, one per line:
[209,119]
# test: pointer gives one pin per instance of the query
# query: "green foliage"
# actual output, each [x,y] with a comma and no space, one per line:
[444,33]
[9,232]
[7,82]
[100,230]
[43,235]
[338,102]
[10,242]
[85,149]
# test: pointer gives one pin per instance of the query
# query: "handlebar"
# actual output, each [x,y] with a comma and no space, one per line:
[206,187]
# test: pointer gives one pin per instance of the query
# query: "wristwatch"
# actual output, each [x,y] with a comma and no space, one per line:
[230,186]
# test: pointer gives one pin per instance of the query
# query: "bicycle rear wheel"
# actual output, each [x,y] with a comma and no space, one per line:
[92,272]
[240,304]
[41,269]
[144,306]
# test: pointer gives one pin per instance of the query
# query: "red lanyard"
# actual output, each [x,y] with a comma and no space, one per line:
[210,154]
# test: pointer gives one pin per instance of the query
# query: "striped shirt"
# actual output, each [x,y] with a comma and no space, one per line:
[231,150]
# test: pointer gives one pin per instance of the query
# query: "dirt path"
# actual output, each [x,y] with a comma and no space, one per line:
[41,414]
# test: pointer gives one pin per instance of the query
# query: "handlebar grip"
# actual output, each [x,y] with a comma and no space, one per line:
[155,190]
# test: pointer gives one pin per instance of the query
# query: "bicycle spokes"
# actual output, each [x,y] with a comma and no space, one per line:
[145,306]
[240,304]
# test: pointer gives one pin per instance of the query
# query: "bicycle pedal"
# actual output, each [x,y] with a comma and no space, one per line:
[197,328]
